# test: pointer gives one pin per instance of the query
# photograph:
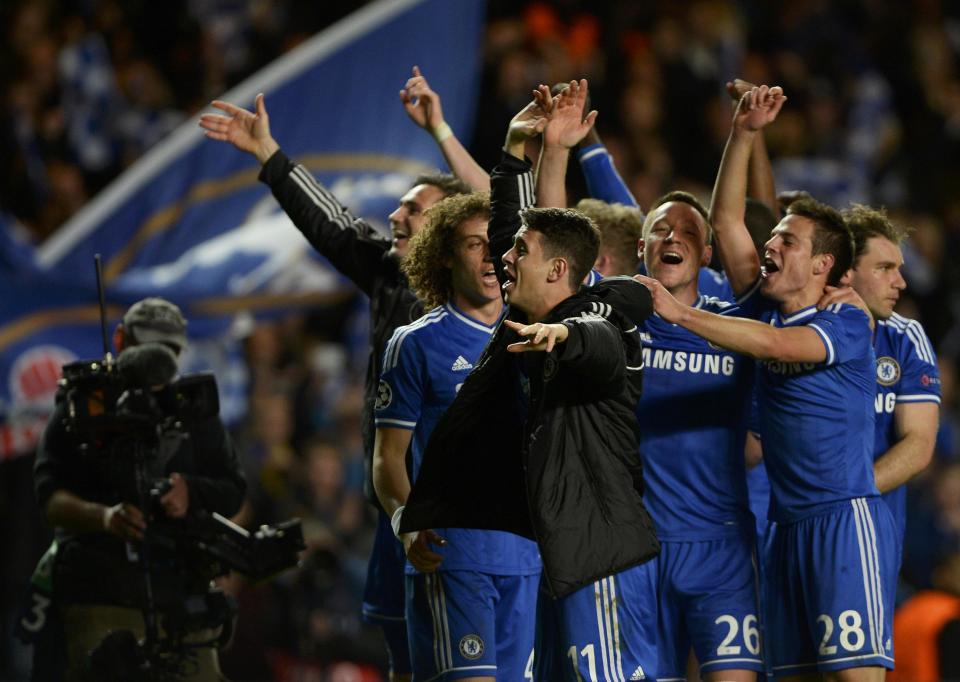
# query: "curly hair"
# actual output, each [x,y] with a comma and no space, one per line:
[427,263]
[620,228]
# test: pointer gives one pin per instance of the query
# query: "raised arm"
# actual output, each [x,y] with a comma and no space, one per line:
[760,181]
[424,108]
[735,247]
[566,127]
[756,339]
[353,246]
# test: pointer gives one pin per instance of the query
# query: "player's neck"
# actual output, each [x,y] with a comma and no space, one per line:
[551,298]
[486,313]
[687,294]
[804,298]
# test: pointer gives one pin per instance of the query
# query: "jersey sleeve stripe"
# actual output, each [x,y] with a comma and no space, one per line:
[392,354]
[395,422]
[325,201]
[831,355]
[919,338]
[593,152]
[919,398]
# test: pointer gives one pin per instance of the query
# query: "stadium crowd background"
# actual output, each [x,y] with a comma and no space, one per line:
[873,116]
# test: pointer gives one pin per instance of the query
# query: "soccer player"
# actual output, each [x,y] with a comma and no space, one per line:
[470,593]
[692,417]
[372,262]
[561,465]
[832,564]
[907,402]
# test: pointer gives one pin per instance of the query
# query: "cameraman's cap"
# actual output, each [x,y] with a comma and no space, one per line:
[154,319]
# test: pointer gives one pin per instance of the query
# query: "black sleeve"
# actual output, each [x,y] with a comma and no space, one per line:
[352,245]
[52,467]
[511,190]
[948,648]
[593,355]
[217,483]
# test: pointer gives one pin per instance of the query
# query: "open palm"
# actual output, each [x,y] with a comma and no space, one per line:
[245,130]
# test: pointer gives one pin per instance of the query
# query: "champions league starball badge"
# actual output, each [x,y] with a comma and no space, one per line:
[384,396]
[888,371]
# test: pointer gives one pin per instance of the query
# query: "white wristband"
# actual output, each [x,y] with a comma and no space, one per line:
[395,520]
[442,132]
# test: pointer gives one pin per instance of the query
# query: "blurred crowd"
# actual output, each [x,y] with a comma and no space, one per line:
[873,115]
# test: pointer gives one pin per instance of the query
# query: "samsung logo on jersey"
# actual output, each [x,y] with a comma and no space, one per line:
[788,368]
[695,363]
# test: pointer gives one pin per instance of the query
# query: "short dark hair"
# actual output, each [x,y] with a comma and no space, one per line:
[831,235]
[567,233]
[620,228]
[682,197]
[449,184]
[865,223]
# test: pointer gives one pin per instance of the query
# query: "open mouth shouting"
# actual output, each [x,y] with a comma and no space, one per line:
[400,237]
[768,267]
[510,280]
[671,257]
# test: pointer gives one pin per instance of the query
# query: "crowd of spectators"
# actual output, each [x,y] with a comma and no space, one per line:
[872,116]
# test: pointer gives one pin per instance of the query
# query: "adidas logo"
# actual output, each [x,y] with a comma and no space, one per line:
[638,674]
[461,364]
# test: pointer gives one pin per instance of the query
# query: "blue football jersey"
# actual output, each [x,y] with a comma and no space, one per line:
[693,415]
[906,373]
[424,366]
[815,418]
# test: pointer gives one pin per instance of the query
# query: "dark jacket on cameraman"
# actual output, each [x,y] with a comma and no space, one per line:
[561,464]
[102,470]
[358,251]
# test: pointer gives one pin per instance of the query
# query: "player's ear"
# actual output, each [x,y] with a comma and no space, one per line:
[640,246]
[558,269]
[706,256]
[822,263]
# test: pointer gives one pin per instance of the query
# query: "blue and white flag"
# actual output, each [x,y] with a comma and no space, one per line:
[190,222]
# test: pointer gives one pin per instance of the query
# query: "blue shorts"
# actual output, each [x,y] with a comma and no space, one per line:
[383,602]
[830,585]
[470,624]
[604,631]
[708,599]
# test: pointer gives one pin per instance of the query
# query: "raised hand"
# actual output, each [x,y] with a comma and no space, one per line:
[532,119]
[421,103]
[567,124]
[737,88]
[245,130]
[758,107]
[664,304]
[539,336]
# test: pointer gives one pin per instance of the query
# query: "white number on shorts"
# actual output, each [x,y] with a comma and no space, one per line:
[528,671]
[751,635]
[850,622]
[827,633]
[587,653]
[725,649]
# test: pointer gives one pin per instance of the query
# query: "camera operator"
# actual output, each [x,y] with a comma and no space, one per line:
[90,494]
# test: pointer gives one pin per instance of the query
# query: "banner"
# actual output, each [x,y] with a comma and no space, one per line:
[190,222]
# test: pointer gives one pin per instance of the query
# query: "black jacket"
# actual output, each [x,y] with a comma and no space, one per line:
[545,445]
[356,249]
[92,567]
